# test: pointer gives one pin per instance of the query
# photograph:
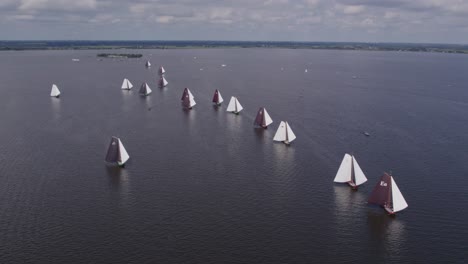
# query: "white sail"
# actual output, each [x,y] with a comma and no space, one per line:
[123,154]
[191,98]
[161,70]
[344,172]
[220,98]
[126,84]
[164,82]
[399,203]
[290,136]
[359,176]
[238,106]
[147,89]
[54,92]
[267,117]
[281,132]
[232,105]
[148,64]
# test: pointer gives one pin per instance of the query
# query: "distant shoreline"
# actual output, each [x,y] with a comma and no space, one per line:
[125,45]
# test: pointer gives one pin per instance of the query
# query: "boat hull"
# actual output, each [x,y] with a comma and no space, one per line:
[389,211]
[353,185]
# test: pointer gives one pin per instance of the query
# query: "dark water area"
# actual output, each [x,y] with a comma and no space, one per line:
[204,186]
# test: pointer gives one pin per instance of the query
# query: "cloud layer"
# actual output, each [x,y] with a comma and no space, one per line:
[296,20]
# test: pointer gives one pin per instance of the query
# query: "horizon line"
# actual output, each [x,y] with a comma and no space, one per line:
[246,41]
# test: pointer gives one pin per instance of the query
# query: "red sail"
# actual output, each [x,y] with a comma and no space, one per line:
[185,94]
[186,101]
[260,119]
[161,82]
[381,195]
[216,97]
[113,152]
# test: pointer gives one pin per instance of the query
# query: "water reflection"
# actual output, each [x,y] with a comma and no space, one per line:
[55,103]
[119,179]
[347,202]
[388,232]
[283,160]
[148,102]
[127,100]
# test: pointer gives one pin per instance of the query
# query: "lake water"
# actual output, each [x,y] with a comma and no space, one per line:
[204,186]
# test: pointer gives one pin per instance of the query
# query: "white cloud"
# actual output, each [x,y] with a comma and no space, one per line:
[392,20]
[66,5]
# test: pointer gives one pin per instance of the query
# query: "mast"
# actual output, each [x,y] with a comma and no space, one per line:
[353,178]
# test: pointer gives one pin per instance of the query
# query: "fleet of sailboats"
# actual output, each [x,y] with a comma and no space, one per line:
[145,89]
[350,172]
[55,92]
[188,100]
[127,85]
[217,98]
[284,133]
[116,152]
[234,106]
[263,119]
[387,194]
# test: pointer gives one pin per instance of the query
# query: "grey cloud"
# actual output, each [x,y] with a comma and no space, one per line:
[301,20]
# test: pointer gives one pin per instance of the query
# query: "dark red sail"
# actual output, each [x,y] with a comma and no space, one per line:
[216,97]
[260,119]
[113,154]
[186,101]
[185,94]
[382,193]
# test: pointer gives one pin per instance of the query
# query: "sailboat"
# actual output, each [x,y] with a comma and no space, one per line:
[263,119]
[234,106]
[161,70]
[116,152]
[387,194]
[217,98]
[188,99]
[163,82]
[284,133]
[145,89]
[126,85]
[148,64]
[350,172]
[55,92]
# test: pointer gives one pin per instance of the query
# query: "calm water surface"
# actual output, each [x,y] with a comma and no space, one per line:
[204,186]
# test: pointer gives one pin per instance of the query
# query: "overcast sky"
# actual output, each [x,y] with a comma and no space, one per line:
[434,21]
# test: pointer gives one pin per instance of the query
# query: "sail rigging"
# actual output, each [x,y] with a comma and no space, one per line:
[350,172]
[387,194]
[116,152]
[262,119]
[234,106]
[217,98]
[54,92]
[145,89]
[126,84]
[284,133]
[188,100]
